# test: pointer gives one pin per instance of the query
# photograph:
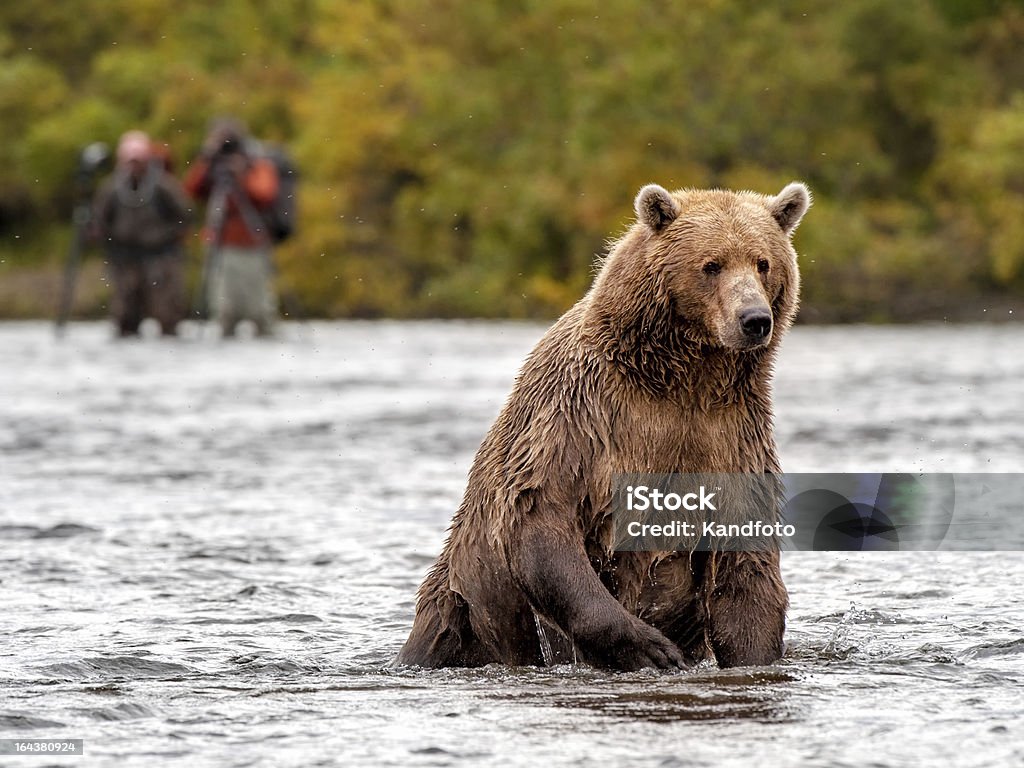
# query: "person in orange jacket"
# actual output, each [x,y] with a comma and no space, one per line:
[239,185]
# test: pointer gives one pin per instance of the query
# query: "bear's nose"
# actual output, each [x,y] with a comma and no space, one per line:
[756,322]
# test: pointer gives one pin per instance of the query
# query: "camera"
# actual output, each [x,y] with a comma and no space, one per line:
[231,145]
[94,158]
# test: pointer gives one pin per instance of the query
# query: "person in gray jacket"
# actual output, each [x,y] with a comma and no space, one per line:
[141,215]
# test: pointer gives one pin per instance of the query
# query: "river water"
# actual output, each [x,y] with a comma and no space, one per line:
[209,554]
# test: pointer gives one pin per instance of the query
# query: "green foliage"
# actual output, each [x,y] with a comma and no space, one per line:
[982,188]
[474,158]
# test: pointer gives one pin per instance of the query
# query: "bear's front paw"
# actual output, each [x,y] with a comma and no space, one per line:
[628,644]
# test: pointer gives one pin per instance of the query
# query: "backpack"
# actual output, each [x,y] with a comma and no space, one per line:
[281,215]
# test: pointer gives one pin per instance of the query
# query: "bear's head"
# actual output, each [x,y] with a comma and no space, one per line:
[724,260]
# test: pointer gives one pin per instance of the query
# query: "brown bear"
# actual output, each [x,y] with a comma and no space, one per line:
[664,366]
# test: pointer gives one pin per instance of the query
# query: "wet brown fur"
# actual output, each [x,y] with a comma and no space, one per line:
[649,372]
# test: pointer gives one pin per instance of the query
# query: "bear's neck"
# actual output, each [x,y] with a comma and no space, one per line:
[669,363]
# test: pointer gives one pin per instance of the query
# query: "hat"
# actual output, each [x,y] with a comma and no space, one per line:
[134,145]
[228,129]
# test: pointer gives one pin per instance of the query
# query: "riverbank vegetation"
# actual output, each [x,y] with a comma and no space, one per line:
[471,159]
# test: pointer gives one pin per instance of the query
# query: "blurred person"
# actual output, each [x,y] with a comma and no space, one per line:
[240,186]
[141,215]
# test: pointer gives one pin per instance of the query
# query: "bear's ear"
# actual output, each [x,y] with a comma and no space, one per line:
[790,205]
[655,207]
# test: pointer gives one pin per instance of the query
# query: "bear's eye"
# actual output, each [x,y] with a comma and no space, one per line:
[712,268]
[762,265]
